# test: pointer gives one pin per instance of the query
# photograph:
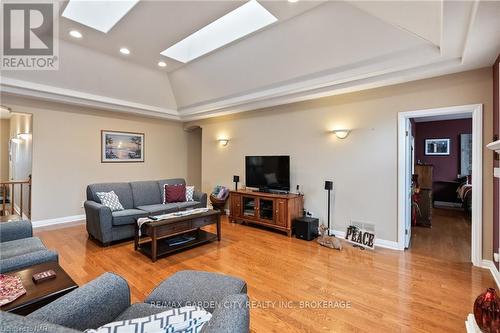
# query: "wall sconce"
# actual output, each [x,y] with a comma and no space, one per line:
[223,142]
[341,133]
[16,140]
[24,136]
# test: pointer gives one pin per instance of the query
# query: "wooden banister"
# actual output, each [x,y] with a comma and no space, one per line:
[8,191]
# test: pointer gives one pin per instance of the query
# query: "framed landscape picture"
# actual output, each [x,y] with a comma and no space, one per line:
[437,147]
[118,147]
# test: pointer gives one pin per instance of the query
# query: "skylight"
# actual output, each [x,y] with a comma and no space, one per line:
[101,15]
[242,21]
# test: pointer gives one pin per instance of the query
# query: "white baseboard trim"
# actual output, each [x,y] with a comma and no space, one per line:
[488,264]
[59,220]
[386,244]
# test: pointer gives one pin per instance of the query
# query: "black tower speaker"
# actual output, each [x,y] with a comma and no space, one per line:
[236,179]
[306,227]
[328,187]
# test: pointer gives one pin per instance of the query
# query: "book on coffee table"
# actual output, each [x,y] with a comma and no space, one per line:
[11,288]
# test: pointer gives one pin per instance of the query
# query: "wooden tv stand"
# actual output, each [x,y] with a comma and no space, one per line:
[268,209]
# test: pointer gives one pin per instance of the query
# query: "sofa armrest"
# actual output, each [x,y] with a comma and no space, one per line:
[15,230]
[99,220]
[15,323]
[232,315]
[97,303]
[201,197]
[26,260]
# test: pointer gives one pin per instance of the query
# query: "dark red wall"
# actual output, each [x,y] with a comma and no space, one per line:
[496,125]
[446,168]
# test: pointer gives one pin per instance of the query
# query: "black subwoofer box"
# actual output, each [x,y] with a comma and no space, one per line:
[306,227]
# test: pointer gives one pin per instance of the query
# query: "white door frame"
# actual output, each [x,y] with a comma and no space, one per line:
[476,110]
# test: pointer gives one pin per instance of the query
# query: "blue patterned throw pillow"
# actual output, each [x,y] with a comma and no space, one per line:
[189,319]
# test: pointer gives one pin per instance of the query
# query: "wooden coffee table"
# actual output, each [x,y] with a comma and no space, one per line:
[42,293]
[155,236]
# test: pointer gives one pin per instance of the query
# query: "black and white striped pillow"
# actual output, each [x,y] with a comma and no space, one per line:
[111,200]
[188,319]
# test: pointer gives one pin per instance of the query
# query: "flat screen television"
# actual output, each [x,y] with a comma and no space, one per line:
[268,172]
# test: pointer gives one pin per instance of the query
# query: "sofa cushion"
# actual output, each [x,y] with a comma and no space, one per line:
[20,247]
[160,209]
[122,190]
[127,216]
[146,193]
[111,200]
[186,319]
[175,193]
[187,205]
[173,181]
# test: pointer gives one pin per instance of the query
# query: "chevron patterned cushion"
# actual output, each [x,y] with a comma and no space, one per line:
[188,319]
[111,200]
[189,193]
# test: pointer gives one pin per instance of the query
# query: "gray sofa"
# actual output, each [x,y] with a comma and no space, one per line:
[107,299]
[139,199]
[19,249]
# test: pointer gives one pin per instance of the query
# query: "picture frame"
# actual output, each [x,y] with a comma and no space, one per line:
[437,147]
[122,147]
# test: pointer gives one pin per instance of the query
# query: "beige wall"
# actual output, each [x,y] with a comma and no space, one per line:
[67,148]
[363,166]
[4,149]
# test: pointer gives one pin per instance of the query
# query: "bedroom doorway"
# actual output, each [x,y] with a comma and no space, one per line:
[439,154]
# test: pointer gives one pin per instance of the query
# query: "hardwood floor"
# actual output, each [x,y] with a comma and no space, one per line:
[389,291]
[448,239]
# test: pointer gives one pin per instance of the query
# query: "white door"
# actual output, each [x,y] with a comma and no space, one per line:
[408,174]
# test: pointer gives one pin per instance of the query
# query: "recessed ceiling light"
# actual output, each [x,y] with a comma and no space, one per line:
[293,1]
[162,64]
[124,50]
[100,15]
[75,33]
[242,21]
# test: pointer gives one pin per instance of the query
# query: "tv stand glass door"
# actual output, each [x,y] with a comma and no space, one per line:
[249,206]
[266,209]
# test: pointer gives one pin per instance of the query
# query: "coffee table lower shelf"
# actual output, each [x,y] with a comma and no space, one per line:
[201,237]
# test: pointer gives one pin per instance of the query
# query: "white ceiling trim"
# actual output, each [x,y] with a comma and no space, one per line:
[73,97]
[413,74]
[394,63]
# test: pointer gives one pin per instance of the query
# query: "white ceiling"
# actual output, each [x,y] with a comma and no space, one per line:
[315,49]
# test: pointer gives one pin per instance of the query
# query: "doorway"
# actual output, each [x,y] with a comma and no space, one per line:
[439,146]
[16,164]
[194,146]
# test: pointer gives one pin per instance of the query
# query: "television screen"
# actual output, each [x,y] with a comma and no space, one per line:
[268,172]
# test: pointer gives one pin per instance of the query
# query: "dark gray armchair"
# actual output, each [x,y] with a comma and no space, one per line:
[19,249]
[107,299]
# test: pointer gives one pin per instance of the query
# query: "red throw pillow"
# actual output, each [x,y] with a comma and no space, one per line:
[175,193]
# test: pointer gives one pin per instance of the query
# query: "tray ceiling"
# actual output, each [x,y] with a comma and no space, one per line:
[315,49]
